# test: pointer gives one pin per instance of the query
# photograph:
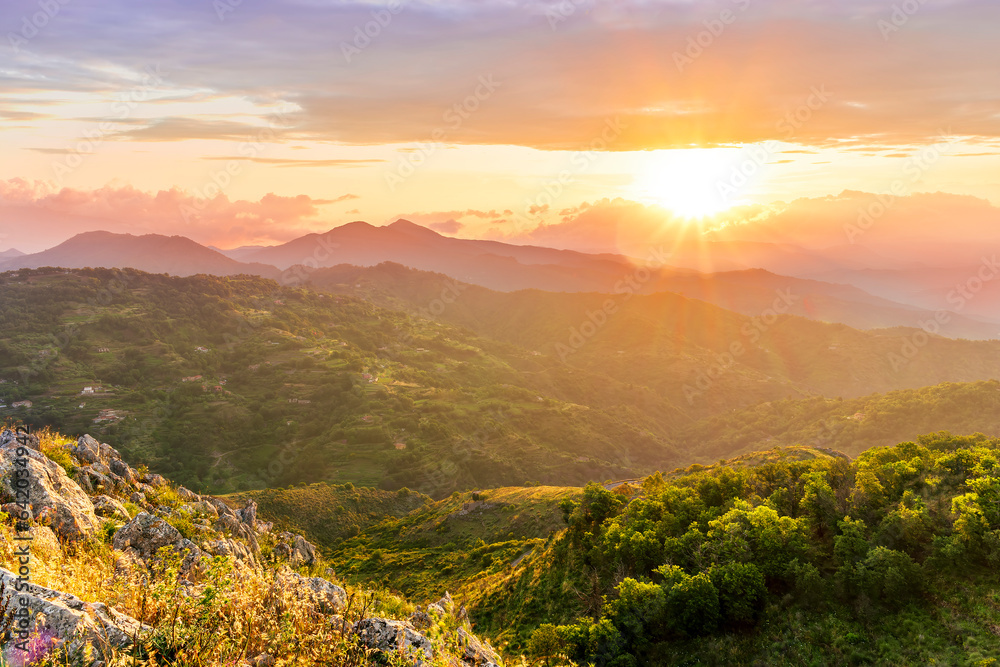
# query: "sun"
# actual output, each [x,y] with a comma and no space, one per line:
[685,181]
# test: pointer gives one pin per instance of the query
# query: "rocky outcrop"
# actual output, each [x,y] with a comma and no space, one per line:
[476,652]
[386,636]
[89,450]
[67,618]
[146,534]
[248,514]
[9,439]
[109,508]
[295,549]
[51,495]
[326,597]
[232,548]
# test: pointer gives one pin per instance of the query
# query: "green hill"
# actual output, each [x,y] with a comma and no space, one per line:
[851,425]
[235,383]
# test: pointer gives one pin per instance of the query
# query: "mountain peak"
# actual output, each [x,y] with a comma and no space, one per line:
[407,227]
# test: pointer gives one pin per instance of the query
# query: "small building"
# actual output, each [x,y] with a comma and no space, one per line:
[400,445]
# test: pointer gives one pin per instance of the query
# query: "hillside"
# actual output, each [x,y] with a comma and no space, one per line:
[237,383]
[154,253]
[118,567]
[852,425]
[704,359]
[780,557]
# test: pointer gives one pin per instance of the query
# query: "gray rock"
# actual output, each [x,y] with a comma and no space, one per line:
[50,492]
[206,508]
[8,438]
[328,598]
[248,514]
[231,548]
[147,534]
[139,498]
[89,450]
[153,480]
[187,494]
[70,619]
[420,620]
[123,470]
[230,525]
[295,549]
[220,506]
[94,481]
[475,651]
[105,506]
[389,637]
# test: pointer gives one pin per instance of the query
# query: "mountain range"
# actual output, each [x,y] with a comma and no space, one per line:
[824,288]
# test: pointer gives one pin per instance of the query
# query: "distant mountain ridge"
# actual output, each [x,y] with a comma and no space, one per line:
[497,266]
[153,253]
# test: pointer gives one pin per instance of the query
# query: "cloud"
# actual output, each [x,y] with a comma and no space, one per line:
[287,162]
[450,227]
[818,73]
[35,215]
[935,229]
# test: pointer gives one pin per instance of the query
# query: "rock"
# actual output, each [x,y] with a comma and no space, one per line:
[229,524]
[475,651]
[49,491]
[206,508]
[295,549]
[435,609]
[147,534]
[248,514]
[389,637]
[16,512]
[328,598]
[66,618]
[9,439]
[187,494]
[89,450]
[110,508]
[139,498]
[421,620]
[153,480]
[123,470]
[446,603]
[145,488]
[220,506]
[91,478]
[232,548]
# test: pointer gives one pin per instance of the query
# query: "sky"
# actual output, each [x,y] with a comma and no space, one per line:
[572,124]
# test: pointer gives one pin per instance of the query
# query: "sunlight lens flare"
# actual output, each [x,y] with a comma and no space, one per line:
[686,181]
